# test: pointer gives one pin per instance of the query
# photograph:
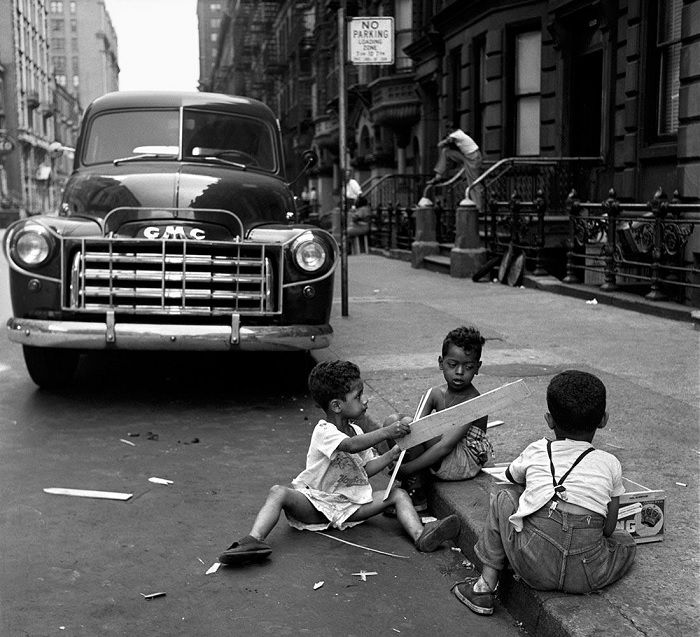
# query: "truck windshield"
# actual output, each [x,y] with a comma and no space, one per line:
[156,134]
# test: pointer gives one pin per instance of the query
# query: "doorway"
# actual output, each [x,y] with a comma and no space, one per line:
[586,105]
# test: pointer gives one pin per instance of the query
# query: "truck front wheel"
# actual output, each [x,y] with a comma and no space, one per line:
[50,368]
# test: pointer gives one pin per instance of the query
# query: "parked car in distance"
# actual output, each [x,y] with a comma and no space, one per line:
[176,231]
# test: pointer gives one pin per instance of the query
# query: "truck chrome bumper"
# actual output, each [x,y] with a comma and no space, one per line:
[142,336]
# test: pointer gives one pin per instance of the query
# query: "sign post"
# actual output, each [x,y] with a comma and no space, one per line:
[371,41]
[342,143]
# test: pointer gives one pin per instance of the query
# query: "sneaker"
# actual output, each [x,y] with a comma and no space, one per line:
[246,550]
[435,533]
[480,603]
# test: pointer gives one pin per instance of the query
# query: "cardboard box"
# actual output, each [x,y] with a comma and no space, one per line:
[642,513]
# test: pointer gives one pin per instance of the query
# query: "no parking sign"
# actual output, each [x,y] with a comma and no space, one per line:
[371,40]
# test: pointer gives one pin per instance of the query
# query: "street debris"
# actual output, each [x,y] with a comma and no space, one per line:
[493,423]
[192,441]
[152,595]
[456,549]
[133,435]
[428,518]
[160,480]
[681,484]
[151,436]
[213,568]
[359,546]
[318,585]
[86,493]
[127,442]
[467,564]
[592,302]
[364,574]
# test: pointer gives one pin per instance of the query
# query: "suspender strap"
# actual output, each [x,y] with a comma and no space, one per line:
[558,488]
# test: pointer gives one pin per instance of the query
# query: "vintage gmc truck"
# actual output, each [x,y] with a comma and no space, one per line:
[176,231]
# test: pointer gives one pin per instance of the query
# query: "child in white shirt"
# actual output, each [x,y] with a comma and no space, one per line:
[560,533]
[334,489]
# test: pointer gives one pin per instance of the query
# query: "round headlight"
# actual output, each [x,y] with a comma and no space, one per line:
[32,246]
[309,254]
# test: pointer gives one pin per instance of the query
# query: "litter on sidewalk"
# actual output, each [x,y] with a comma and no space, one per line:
[159,480]
[87,493]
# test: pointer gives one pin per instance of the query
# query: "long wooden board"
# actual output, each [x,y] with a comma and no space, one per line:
[440,422]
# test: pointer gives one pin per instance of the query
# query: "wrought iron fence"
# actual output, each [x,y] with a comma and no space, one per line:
[638,247]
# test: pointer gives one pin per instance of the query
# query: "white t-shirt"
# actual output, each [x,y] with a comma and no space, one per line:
[465,143]
[352,189]
[332,471]
[592,484]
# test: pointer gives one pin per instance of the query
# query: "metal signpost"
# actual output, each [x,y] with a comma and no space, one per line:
[371,41]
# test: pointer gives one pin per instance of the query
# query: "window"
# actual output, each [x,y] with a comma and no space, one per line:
[215,23]
[455,86]
[56,7]
[213,36]
[479,84]
[61,79]
[528,47]
[58,44]
[73,26]
[59,64]
[668,56]
[215,6]
[76,81]
[72,7]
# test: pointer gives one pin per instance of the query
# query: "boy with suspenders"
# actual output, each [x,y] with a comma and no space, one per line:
[559,534]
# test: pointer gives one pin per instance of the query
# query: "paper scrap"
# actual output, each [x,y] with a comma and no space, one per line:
[127,442]
[364,574]
[681,484]
[493,423]
[213,568]
[86,493]
[318,585]
[428,518]
[592,302]
[160,480]
[152,595]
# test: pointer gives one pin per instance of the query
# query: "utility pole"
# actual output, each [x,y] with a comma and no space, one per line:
[342,142]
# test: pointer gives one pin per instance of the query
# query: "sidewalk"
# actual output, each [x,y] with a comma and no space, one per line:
[397,319]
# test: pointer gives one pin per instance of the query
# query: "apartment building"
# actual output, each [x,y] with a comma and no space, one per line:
[614,81]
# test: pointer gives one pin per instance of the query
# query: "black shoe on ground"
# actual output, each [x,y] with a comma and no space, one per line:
[480,603]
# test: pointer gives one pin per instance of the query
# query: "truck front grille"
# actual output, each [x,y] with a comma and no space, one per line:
[174,277]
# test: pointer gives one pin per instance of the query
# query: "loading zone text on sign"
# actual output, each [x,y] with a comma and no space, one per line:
[371,40]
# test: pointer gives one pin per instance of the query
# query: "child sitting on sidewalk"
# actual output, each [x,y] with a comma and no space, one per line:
[459,454]
[560,534]
[334,490]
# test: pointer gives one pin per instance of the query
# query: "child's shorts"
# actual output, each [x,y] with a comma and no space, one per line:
[470,454]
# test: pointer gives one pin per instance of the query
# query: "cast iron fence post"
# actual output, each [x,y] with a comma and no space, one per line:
[659,208]
[611,209]
[573,208]
[540,207]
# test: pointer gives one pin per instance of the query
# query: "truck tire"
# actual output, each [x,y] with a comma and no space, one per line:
[50,368]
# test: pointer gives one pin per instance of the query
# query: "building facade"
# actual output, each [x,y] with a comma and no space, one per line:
[618,81]
[54,57]
[84,50]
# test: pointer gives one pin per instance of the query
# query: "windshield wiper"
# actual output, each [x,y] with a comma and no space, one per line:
[142,157]
[218,160]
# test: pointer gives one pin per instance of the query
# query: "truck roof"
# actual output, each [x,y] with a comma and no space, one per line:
[177,99]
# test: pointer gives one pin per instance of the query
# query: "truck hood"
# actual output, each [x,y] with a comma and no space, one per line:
[252,196]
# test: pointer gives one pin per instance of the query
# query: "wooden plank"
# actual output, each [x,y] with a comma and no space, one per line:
[437,423]
[86,493]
